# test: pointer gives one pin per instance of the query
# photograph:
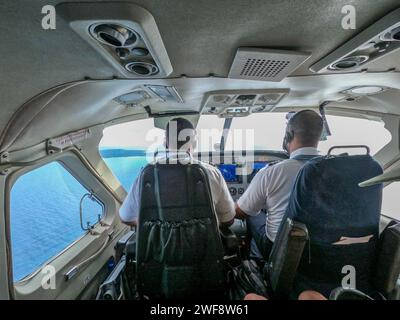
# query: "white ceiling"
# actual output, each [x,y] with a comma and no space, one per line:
[201,38]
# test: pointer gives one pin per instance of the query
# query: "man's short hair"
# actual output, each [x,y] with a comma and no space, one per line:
[179,131]
[307,126]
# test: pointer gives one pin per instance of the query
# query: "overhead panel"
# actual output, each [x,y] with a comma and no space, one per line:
[125,34]
[241,103]
[377,41]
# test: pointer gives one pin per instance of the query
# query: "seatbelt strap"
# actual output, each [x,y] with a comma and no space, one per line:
[157,193]
[189,185]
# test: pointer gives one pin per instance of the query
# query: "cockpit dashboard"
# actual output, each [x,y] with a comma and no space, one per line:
[239,168]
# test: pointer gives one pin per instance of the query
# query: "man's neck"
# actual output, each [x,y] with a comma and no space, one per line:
[309,150]
[301,146]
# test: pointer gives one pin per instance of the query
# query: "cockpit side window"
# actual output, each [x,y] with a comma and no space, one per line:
[44,216]
[127,147]
[355,131]
[390,201]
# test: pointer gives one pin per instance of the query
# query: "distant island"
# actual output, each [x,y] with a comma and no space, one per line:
[109,152]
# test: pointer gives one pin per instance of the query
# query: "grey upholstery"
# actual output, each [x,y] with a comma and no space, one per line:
[179,249]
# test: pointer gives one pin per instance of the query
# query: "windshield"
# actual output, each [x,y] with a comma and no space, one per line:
[265,131]
[255,132]
[128,147]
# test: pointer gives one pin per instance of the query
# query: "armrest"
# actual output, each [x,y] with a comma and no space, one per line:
[130,248]
[110,289]
[120,246]
[341,293]
[229,239]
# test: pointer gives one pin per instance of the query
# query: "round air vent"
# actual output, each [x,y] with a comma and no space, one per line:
[142,68]
[140,52]
[393,35]
[349,62]
[114,35]
[123,53]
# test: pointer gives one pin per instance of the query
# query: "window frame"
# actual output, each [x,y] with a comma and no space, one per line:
[72,163]
[385,214]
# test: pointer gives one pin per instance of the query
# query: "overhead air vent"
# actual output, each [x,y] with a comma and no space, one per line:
[142,68]
[349,63]
[265,64]
[392,35]
[114,35]
[124,33]
[371,44]
[127,47]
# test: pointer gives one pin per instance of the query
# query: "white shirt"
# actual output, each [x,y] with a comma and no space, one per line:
[270,189]
[223,203]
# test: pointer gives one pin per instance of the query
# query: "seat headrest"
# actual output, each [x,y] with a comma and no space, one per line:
[181,190]
[327,197]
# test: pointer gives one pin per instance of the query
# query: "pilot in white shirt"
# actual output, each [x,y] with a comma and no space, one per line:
[264,203]
[223,203]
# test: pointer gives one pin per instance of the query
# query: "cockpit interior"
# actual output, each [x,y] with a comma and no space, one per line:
[87,89]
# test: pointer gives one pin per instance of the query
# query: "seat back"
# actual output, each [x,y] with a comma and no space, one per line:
[179,250]
[285,258]
[387,269]
[327,198]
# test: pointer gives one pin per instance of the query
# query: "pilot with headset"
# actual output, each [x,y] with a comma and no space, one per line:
[265,200]
[180,138]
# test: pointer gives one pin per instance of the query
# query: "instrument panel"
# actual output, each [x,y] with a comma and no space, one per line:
[238,178]
[239,169]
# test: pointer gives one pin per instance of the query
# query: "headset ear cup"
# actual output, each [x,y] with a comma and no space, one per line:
[290,136]
[287,139]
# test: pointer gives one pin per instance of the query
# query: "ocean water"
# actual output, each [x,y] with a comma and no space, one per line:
[126,169]
[44,208]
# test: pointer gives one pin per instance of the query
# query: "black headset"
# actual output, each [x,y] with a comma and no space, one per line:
[289,133]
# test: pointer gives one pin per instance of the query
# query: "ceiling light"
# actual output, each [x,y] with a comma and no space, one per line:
[165,93]
[365,90]
[133,99]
